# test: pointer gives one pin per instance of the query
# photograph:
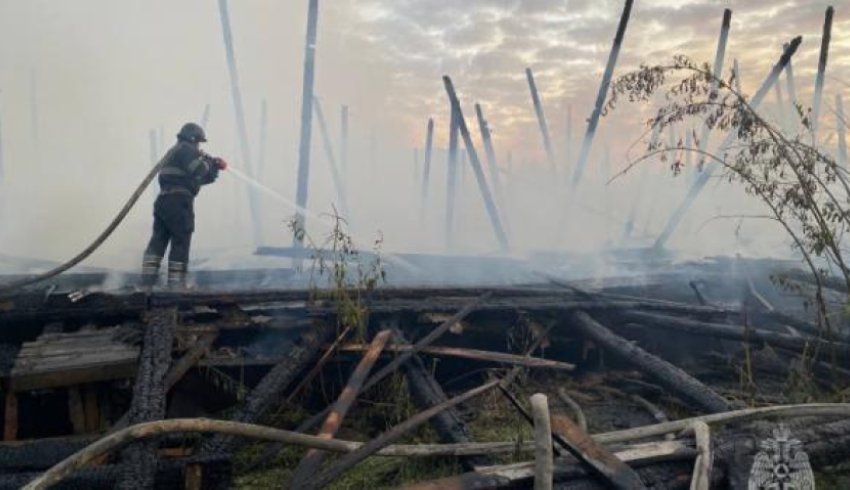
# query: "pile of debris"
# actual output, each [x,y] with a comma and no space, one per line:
[661,382]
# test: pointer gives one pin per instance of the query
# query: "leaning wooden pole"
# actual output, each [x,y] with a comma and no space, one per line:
[241,126]
[343,142]
[717,71]
[587,144]
[705,175]
[329,154]
[426,170]
[306,121]
[451,185]
[840,126]
[264,132]
[819,80]
[790,83]
[489,204]
[541,119]
[349,460]
[312,461]
[492,162]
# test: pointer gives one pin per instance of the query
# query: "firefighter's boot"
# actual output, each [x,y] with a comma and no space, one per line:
[177,275]
[150,270]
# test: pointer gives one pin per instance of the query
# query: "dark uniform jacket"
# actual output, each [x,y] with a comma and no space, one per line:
[186,170]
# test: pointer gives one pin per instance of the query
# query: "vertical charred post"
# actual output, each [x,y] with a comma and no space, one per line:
[306,120]
[587,144]
[426,171]
[149,396]
[241,125]
[819,80]
[451,191]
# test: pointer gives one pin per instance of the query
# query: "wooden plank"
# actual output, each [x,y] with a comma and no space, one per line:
[312,461]
[76,411]
[10,422]
[73,376]
[474,354]
[194,477]
[598,458]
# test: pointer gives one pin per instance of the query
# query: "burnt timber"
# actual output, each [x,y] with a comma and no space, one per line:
[238,354]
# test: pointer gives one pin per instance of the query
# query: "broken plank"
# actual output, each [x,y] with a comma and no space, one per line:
[613,471]
[474,354]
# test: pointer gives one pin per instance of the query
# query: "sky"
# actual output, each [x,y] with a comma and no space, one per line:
[83,83]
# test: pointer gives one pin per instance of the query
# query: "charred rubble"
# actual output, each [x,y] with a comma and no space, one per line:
[456,367]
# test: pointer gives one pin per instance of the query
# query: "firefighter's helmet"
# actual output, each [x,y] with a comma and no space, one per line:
[193,133]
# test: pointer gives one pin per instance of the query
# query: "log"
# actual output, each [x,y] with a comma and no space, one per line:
[543,457]
[732,332]
[312,461]
[474,354]
[668,375]
[264,396]
[149,397]
[387,370]
[448,424]
[702,467]
[346,462]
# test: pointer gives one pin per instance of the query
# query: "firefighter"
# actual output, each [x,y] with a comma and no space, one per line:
[187,168]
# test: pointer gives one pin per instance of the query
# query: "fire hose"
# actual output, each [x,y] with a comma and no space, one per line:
[29,281]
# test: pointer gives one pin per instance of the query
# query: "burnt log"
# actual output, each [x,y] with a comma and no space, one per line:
[739,332]
[149,397]
[448,424]
[668,375]
[269,390]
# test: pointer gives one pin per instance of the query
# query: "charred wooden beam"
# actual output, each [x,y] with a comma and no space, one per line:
[304,144]
[349,460]
[449,425]
[452,174]
[489,204]
[312,461]
[704,176]
[615,473]
[819,80]
[426,170]
[149,397]
[736,332]
[336,172]
[263,397]
[472,354]
[593,123]
[492,161]
[241,124]
[541,119]
[665,373]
